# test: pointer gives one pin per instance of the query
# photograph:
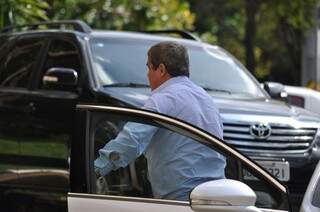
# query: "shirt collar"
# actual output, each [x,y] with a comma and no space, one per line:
[169,82]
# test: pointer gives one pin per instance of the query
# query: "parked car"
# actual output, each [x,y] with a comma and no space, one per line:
[295,95]
[45,73]
[303,97]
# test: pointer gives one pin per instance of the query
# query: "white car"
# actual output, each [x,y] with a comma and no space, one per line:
[295,95]
[303,97]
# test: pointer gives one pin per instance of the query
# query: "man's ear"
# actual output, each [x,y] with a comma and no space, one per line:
[163,70]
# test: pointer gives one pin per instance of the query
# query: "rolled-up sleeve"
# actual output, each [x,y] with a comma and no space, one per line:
[130,143]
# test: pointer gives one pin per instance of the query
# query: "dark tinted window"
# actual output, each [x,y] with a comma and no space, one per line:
[16,67]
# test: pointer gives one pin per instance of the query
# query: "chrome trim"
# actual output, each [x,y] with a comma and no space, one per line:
[290,138]
[293,131]
[209,202]
[267,144]
[274,131]
[194,130]
[271,210]
[299,137]
[271,138]
[131,199]
[274,121]
[273,152]
[238,129]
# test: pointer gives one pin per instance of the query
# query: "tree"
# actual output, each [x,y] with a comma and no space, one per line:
[289,22]
[125,14]
[265,35]
[251,10]
[22,11]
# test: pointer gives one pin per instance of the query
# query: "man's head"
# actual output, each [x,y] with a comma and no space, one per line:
[166,60]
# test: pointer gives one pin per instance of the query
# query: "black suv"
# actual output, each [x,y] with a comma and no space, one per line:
[46,69]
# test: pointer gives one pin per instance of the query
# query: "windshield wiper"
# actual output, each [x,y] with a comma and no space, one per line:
[130,84]
[216,90]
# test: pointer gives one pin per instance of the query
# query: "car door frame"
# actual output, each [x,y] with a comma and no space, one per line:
[81,178]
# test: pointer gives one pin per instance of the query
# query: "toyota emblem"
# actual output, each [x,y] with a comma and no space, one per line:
[260,130]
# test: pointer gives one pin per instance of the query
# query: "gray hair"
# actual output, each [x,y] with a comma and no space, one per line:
[173,55]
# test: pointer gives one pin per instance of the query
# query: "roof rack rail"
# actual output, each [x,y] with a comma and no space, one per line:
[182,33]
[76,24]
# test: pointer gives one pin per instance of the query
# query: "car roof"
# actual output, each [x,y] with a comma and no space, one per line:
[145,36]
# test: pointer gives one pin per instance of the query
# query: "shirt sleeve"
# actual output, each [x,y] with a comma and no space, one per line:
[130,143]
[134,139]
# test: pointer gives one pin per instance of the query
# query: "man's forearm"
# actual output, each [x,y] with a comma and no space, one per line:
[125,148]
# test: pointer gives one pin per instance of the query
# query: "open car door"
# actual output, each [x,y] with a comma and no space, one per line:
[128,189]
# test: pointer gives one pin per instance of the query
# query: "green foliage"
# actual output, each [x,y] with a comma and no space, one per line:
[280,25]
[221,22]
[126,14]
[280,29]
[22,11]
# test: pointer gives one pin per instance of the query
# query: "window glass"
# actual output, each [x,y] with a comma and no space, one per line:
[62,54]
[137,178]
[123,61]
[17,66]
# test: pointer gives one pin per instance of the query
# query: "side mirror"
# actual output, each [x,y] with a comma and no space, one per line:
[60,79]
[275,90]
[223,195]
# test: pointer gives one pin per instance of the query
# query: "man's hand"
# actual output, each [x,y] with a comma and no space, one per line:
[101,183]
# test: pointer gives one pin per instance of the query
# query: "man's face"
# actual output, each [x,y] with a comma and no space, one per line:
[154,75]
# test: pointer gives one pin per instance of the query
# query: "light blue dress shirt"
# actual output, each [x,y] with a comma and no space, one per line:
[176,163]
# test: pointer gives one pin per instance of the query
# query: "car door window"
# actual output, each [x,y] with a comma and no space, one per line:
[134,180]
[18,65]
[62,54]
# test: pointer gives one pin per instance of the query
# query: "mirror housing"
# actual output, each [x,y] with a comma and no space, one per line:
[60,79]
[276,90]
[223,195]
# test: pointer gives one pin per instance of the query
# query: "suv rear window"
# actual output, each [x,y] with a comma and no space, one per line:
[16,67]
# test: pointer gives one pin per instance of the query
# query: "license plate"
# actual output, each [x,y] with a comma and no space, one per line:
[279,169]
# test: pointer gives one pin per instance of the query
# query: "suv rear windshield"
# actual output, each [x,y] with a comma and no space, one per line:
[124,61]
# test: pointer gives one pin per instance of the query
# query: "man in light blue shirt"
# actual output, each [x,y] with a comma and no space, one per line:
[176,163]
